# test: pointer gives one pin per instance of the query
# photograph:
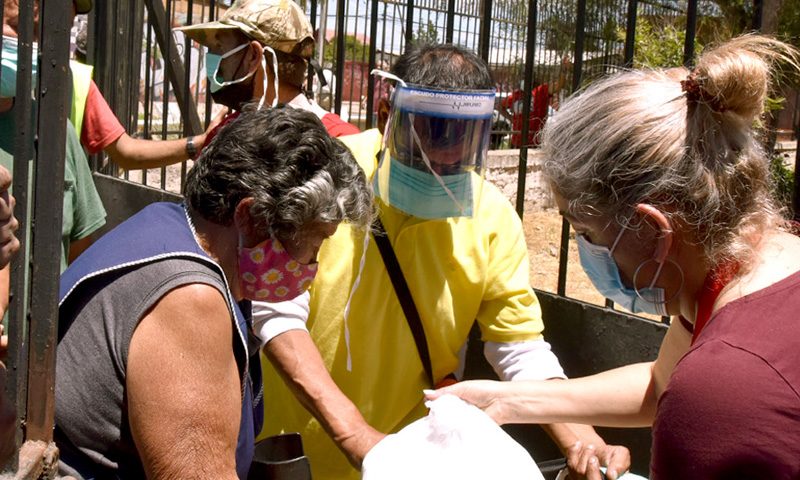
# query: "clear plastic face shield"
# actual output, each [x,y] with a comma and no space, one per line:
[435,145]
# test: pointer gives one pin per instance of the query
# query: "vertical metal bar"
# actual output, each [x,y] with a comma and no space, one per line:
[758,14]
[321,38]
[148,78]
[796,196]
[312,18]
[630,32]
[340,54]
[577,77]
[580,37]
[173,65]
[24,139]
[409,22]
[373,50]
[691,25]
[212,15]
[486,27]
[530,55]
[451,18]
[53,92]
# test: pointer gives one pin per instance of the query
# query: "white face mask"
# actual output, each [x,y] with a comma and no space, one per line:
[212,69]
[266,82]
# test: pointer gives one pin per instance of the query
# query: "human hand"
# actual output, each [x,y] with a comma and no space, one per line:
[201,139]
[356,446]
[9,243]
[584,461]
[484,394]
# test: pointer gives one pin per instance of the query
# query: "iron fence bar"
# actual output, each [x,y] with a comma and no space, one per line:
[451,17]
[212,15]
[409,33]
[340,54]
[630,32]
[24,139]
[312,17]
[530,55]
[133,74]
[167,55]
[758,15]
[691,25]
[189,101]
[53,92]
[486,28]
[577,78]
[796,195]
[373,51]
[172,64]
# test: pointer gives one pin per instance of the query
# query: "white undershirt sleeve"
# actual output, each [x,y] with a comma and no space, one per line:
[272,319]
[528,360]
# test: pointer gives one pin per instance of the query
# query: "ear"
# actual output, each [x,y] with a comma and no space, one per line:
[253,57]
[383,113]
[660,222]
[242,218]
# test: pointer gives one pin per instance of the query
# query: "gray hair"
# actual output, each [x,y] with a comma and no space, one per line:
[285,160]
[637,137]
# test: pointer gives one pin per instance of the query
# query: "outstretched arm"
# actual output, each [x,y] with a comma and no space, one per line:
[297,360]
[136,153]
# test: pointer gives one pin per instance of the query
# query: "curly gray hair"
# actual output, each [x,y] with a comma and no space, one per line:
[285,160]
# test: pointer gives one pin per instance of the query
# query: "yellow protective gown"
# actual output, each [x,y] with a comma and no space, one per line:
[457,269]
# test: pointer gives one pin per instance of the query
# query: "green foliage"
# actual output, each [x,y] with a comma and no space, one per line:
[789,22]
[426,34]
[660,45]
[353,50]
[782,181]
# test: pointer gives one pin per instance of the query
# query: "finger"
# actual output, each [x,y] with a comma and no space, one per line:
[7,250]
[586,455]
[434,394]
[6,205]
[617,462]
[5,178]
[593,469]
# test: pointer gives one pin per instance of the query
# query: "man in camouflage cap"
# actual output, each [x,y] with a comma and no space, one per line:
[258,51]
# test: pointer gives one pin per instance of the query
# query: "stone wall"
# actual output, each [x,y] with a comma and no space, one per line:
[501,169]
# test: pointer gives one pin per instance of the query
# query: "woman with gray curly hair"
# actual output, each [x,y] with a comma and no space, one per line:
[153,373]
[662,177]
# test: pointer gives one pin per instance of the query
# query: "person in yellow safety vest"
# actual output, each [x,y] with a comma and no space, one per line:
[95,123]
[461,249]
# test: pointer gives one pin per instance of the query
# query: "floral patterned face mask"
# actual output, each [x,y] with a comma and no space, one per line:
[267,272]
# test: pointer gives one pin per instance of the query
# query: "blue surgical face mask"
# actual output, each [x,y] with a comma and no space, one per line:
[8,87]
[423,195]
[215,82]
[598,263]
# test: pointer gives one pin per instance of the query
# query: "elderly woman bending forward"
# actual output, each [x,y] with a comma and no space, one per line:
[662,177]
[153,357]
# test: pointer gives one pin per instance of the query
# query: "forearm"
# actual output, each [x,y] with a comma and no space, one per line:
[623,397]
[299,363]
[136,153]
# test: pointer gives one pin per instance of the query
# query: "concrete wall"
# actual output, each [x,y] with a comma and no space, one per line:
[501,169]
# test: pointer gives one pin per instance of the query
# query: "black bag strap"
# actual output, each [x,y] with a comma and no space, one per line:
[404,295]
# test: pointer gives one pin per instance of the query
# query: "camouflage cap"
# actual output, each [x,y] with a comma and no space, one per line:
[280,24]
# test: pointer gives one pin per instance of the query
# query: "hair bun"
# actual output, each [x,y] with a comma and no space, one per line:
[735,76]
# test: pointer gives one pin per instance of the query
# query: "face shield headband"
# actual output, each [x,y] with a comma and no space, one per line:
[435,144]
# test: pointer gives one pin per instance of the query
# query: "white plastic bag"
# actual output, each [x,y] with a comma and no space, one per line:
[456,440]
